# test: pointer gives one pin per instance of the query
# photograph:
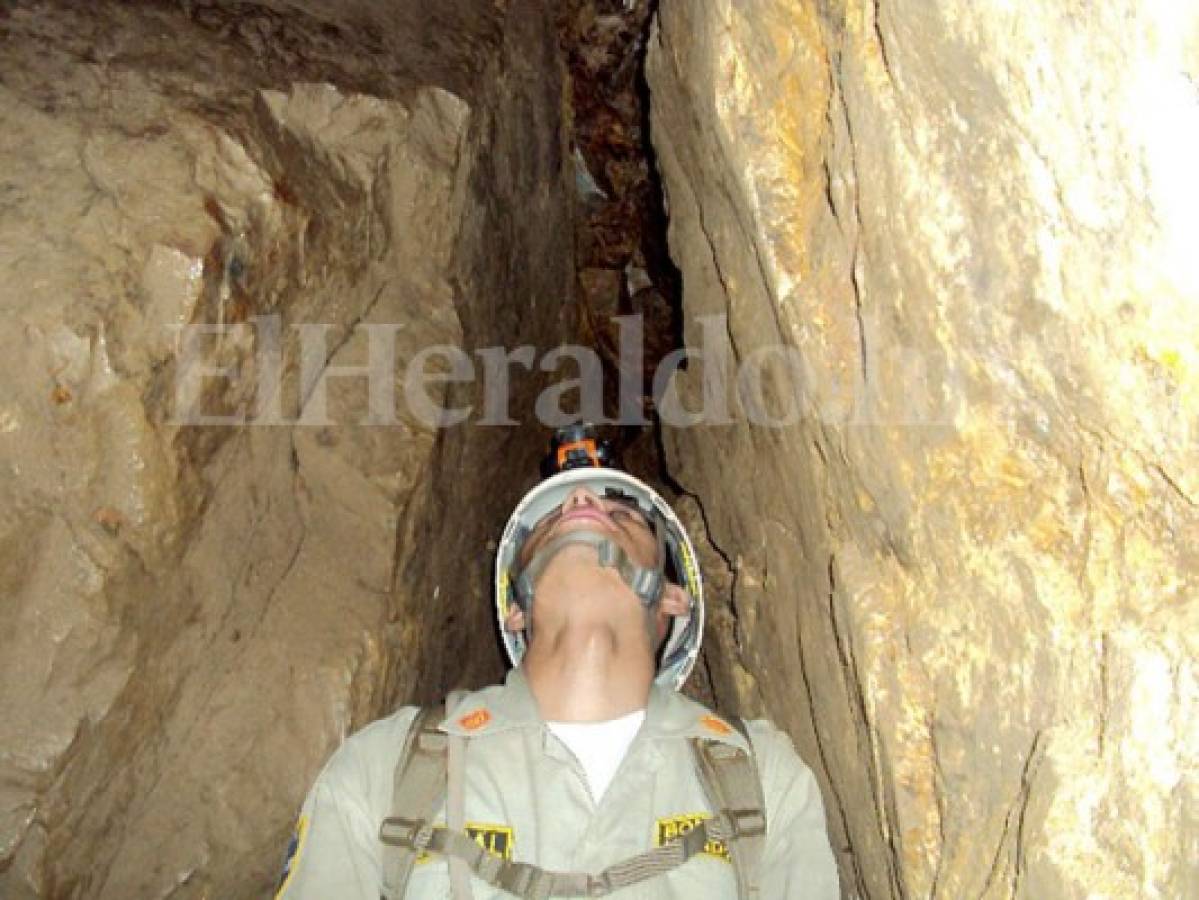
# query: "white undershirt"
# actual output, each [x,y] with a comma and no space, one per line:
[599,746]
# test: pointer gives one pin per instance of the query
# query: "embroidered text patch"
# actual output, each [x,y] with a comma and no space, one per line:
[671,827]
[497,840]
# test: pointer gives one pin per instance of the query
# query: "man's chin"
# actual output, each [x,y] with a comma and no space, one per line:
[575,572]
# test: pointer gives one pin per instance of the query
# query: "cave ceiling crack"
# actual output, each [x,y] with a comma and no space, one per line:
[768,285]
[1088,532]
[246,570]
[848,852]
[884,51]
[939,803]
[717,268]
[1104,435]
[342,341]
[406,509]
[733,566]
[1013,823]
[1105,649]
[300,485]
[882,793]
[851,230]
[1170,480]
[760,265]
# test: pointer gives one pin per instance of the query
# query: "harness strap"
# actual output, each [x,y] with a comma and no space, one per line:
[646,583]
[730,777]
[535,883]
[417,789]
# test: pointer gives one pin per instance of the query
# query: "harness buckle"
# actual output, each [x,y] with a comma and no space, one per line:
[400,832]
[517,878]
[746,822]
[431,741]
[599,885]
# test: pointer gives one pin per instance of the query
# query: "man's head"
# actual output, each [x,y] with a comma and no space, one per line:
[623,522]
[592,529]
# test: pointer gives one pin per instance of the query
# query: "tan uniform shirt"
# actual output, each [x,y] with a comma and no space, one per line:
[527,799]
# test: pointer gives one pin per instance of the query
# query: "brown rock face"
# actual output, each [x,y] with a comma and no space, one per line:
[196,614]
[946,496]
[964,573]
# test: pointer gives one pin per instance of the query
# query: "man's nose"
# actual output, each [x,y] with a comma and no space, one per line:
[579,497]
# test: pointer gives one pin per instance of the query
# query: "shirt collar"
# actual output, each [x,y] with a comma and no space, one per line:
[512,705]
[494,709]
[671,715]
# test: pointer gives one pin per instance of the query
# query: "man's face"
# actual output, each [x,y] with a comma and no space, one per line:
[624,523]
[616,518]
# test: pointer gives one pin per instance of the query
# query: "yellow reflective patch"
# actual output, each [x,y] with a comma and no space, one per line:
[691,573]
[294,848]
[497,840]
[672,827]
[503,592]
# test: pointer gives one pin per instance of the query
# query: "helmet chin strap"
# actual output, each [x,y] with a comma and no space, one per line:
[646,583]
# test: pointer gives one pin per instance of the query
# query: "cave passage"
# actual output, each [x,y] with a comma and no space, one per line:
[923,272]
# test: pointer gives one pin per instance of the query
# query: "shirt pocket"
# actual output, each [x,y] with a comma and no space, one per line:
[702,877]
[430,879]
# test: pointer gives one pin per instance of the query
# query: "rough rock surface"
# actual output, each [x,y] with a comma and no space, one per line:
[965,578]
[514,281]
[196,615]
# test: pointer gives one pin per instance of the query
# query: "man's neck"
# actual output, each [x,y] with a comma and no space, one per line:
[588,673]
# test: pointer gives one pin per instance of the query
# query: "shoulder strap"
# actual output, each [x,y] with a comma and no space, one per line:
[729,775]
[418,786]
[455,818]
[731,781]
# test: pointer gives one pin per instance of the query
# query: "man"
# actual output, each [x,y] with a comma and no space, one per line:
[585,773]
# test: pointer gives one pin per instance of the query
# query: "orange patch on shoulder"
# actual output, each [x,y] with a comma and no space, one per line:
[716,725]
[475,720]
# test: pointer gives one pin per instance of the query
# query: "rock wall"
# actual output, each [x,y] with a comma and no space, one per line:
[957,236]
[196,614]
[514,286]
[963,575]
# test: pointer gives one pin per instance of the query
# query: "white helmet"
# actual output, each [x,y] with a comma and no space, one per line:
[579,459]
